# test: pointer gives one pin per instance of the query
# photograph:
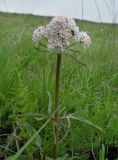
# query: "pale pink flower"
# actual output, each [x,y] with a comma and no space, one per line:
[37,34]
[61,32]
[85,39]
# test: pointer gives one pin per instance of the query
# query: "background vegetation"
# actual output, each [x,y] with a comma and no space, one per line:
[27,84]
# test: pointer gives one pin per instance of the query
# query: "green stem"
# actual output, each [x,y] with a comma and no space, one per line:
[57,103]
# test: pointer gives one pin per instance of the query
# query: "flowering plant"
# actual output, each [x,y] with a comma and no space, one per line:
[61,33]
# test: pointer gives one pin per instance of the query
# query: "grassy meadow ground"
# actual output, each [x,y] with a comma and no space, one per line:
[27,78]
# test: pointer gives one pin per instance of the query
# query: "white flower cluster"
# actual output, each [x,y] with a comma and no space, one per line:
[60,33]
[85,39]
[37,34]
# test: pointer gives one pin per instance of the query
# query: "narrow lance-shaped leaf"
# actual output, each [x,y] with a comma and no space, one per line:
[81,119]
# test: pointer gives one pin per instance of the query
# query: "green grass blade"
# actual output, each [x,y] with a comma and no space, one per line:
[14,157]
[81,119]
[49,103]
[102,153]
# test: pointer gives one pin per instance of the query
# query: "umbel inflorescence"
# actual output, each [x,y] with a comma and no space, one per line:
[60,33]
